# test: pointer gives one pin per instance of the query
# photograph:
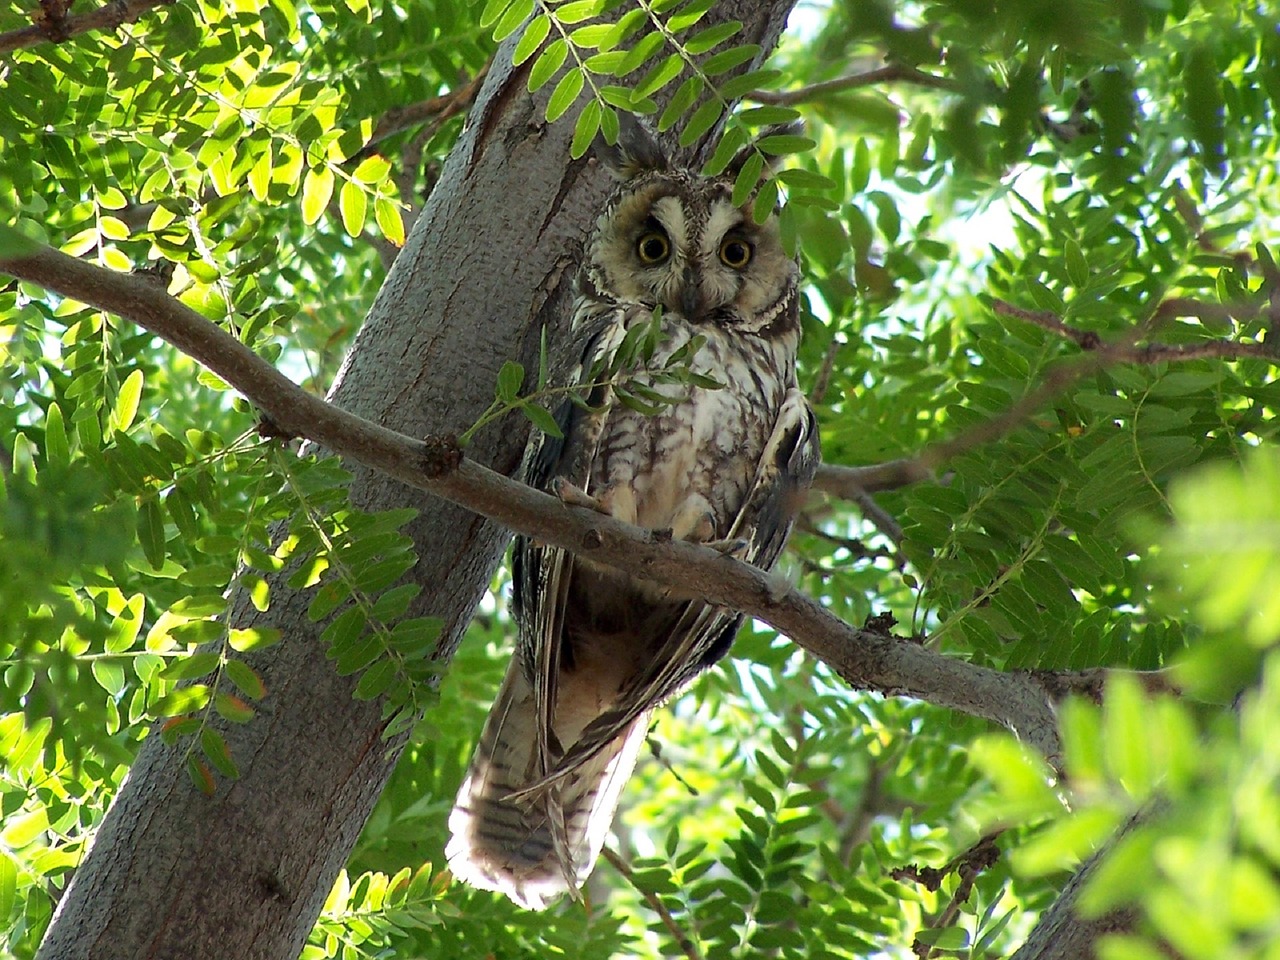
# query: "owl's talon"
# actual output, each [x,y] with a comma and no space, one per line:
[575,496]
[734,547]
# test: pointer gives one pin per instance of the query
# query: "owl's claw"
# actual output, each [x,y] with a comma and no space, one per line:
[734,547]
[575,496]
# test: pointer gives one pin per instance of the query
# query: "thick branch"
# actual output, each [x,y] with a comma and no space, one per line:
[850,482]
[869,659]
[56,28]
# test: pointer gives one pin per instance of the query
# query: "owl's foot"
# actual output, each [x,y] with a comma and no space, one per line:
[616,501]
[734,547]
[575,496]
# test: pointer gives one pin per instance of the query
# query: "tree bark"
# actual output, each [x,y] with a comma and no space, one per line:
[173,873]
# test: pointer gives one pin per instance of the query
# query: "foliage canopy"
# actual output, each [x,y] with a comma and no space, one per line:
[981,190]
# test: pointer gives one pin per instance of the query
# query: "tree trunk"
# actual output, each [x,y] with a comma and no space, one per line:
[173,873]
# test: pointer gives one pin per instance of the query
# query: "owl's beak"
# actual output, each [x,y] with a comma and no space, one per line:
[691,303]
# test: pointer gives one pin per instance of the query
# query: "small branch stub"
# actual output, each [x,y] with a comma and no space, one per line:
[440,456]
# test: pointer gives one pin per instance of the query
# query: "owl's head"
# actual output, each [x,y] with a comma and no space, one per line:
[673,238]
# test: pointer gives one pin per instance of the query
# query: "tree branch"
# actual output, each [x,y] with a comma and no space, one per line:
[853,483]
[848,482]
[1126,351]
[893,72]
[434,109]
[869,658]
[52,26]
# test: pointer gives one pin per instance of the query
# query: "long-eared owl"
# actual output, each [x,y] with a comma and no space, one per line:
[598,649]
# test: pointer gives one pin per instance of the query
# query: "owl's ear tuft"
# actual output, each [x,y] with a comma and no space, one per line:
[636,151]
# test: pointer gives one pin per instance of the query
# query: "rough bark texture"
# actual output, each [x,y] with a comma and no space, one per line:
[176,874]
[1061,933]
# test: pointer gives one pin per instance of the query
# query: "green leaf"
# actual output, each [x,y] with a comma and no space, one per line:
[8,884]
[683,99]
[766,200]
[748,179]
[232,709]
[944,938]
[493,10]
[780,144]
[563,96]
[727,60]
[355,656]
[510,379]
[701,122]
[326,600]
[515,15]
[24,829]
[585,130]
[806,179]
[353,203]
[659,76]
[260,174]
[372,170]
[575,11]
[376,681]
[345,628]
[247,639]
[126,624]
[214,747]
[151,532]
[710,38]
[548,63]
[201,776]
[537,31]
[56,449]
[109,675]
[245,678]
[1077,265]
[541,418]
[386,212]
[188,668]
[126,406]
[317,190]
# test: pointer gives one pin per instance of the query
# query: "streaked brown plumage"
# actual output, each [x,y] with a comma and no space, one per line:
[599,650]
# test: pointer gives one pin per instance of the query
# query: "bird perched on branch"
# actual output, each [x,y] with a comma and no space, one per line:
[688,420]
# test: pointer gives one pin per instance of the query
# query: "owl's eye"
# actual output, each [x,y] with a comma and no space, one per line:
[735,253]
[652,247]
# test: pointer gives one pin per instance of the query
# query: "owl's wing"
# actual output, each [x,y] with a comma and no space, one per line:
[541,574]
[703,633]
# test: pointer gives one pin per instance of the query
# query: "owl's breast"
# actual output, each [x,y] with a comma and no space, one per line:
[699,455]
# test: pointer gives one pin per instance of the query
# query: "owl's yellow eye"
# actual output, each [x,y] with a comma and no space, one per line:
[735,253]
[652,247]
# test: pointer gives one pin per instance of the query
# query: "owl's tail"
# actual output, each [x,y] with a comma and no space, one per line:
[543,844]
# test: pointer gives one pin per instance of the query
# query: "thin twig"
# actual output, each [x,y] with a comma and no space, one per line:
[968,866]
[853,483]
[50,26]
[891,73]
[435,110]
[823,379]
[677,932]
[854,546]
[1126,352]
[1097,354]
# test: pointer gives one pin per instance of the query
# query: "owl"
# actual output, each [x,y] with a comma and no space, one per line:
[598,649]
